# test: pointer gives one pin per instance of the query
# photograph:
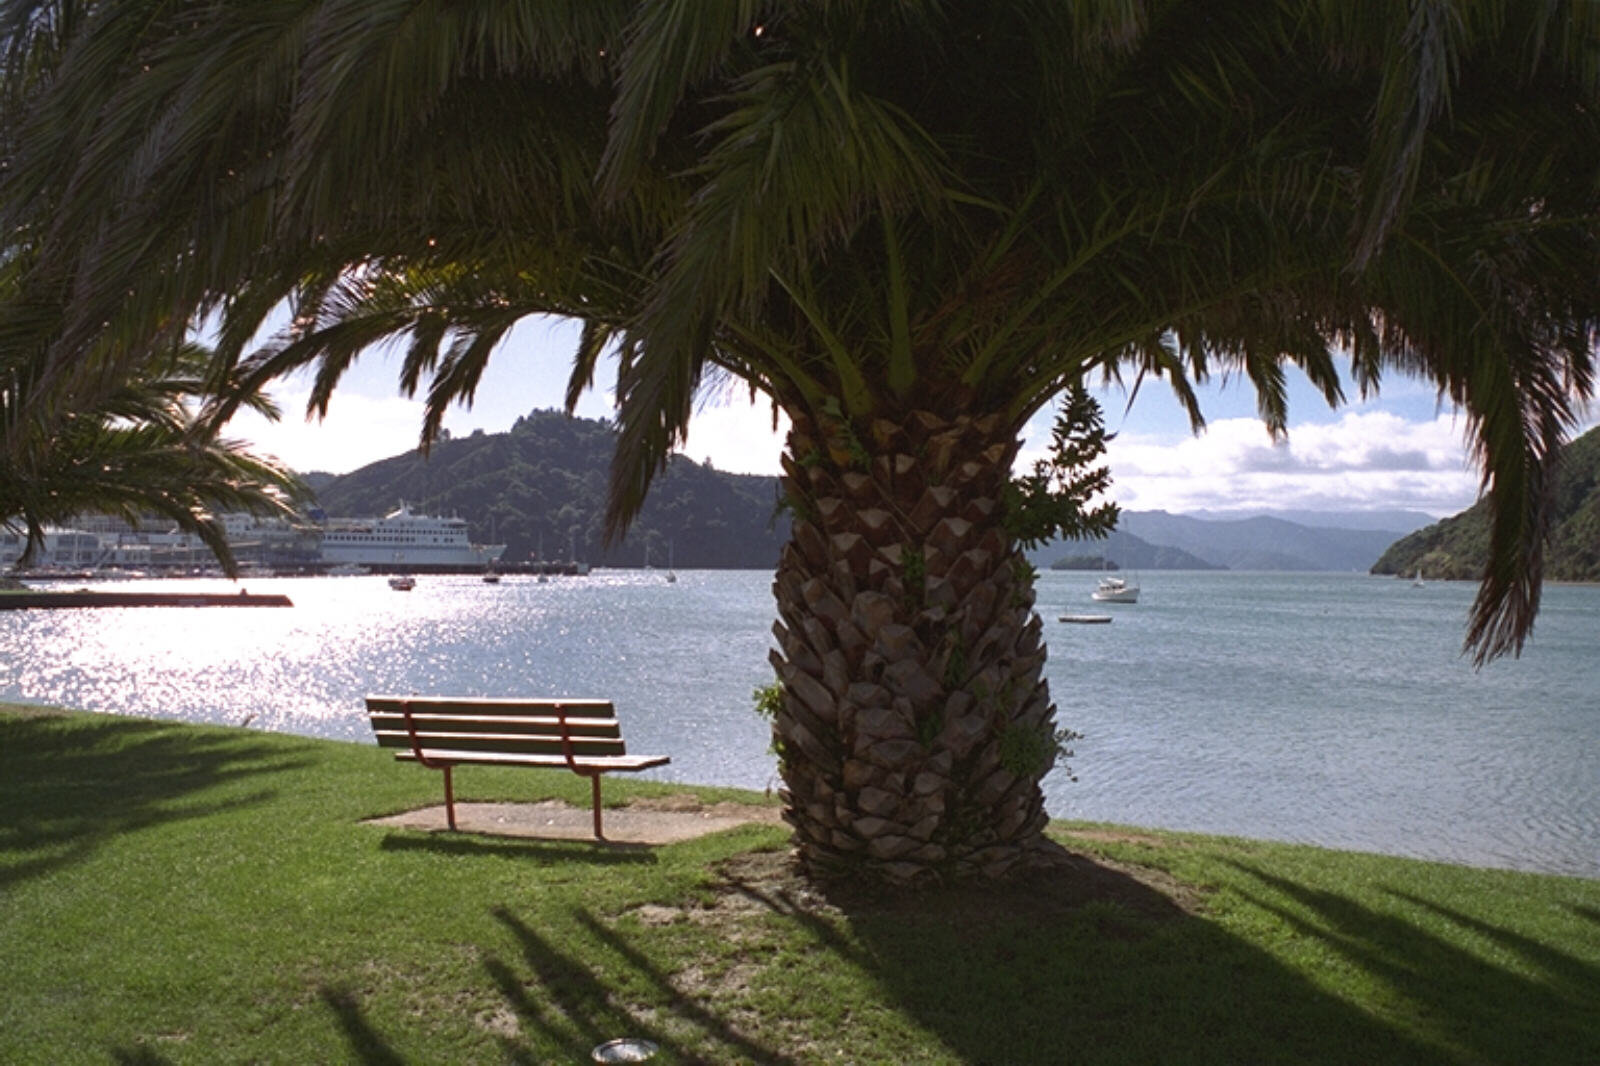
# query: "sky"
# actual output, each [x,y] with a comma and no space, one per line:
[1396,452]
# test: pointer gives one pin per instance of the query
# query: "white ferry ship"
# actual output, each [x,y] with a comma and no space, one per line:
[403,538]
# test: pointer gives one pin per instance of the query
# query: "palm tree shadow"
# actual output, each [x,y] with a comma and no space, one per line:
[366,1044]
[1088,963]
[552,852]
[1084,963]
[1519,1001]
[68,786]
[563,997]
[1564,975]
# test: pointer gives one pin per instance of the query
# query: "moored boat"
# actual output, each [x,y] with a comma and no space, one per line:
[1116,590]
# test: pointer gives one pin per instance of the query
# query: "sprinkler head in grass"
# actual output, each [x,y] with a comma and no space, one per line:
[625,1049]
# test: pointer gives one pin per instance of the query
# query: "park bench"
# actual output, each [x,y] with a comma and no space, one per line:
[441,732]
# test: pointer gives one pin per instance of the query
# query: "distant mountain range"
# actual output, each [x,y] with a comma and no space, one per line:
[1120,550]
[1381,521]
[1157,540]
[540,489]
[1458,547]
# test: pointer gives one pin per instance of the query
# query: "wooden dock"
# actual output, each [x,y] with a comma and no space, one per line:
[36,601]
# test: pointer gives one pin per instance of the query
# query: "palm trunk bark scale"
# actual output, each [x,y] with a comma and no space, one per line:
[915,723]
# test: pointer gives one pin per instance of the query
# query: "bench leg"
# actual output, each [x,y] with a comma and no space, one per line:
[594,782]
[449,798]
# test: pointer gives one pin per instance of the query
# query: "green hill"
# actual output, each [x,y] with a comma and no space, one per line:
[540,489]
[1458,547]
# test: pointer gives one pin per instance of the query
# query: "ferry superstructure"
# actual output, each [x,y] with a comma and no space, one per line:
[404,538]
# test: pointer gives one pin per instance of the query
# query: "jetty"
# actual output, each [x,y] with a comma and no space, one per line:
[33,601]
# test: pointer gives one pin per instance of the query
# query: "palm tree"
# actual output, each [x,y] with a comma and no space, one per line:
[137,450]
[910,225]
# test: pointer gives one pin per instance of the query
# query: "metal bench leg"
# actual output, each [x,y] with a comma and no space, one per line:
[594,782]
[449,797]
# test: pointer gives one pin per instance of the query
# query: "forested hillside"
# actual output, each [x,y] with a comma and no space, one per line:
[1457,547]
[540,489]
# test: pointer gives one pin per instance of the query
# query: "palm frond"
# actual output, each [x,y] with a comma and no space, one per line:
[962,208]
[670,46]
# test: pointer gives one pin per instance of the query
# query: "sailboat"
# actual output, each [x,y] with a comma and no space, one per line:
[672,575]
[491,576]
[1416,582]
[579,568]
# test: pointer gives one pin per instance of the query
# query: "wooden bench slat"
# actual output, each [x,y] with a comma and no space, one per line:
[574,708]
[424,727]
[420,714]
[492,742]
[429,723]
[603,763]
[554,736]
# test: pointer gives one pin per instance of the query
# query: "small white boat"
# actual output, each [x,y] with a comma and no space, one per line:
[402,582]
[1087,619]
[1115,590]
[1416,582]
[491,576]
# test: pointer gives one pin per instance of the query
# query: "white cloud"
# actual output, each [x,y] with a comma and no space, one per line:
[737,437]
[362,428]
[358,430]
[1363,461]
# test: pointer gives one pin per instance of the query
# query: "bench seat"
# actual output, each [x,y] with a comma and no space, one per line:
[440,732]
[603,763]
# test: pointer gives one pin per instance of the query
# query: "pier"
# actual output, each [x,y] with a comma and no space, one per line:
[25,601]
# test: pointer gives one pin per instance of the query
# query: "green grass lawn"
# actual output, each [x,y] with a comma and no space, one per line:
[182,894]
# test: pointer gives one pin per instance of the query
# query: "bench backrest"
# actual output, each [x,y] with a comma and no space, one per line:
[523,727]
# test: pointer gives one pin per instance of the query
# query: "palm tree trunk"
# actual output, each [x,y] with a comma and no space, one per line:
[915,723]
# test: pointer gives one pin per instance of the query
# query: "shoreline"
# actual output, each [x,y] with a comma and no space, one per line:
[523,816]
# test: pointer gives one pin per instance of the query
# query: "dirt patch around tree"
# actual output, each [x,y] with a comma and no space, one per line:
[1063,881]
[760,882]
[656,821]
[772,881]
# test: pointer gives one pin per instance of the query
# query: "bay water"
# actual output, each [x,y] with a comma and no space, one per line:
[1331,709]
